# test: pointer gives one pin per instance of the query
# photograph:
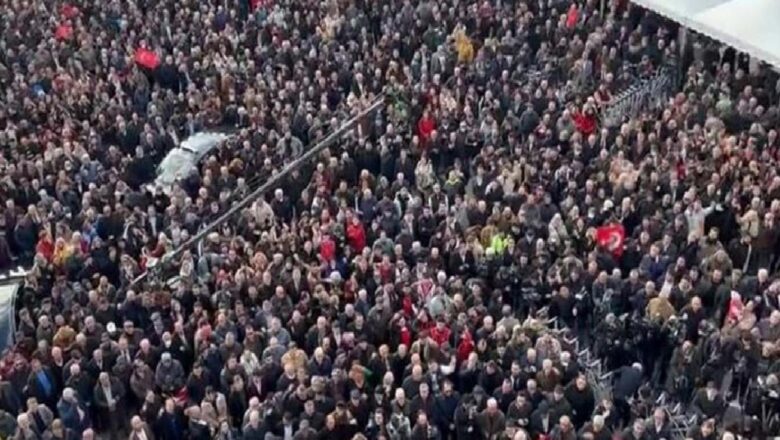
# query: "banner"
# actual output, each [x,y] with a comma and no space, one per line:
[612,237]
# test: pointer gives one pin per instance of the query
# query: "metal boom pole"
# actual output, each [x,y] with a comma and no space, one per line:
[268,185]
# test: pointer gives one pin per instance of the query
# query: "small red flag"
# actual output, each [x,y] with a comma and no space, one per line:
[146,58]
[612,237]
[63,32]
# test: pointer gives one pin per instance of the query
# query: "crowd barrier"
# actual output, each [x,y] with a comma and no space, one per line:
[647,93]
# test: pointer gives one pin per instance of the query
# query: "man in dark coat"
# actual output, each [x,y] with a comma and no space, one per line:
[627,382]
[708,403]
[491,420]
[41,384]
[72,412]
[541,423]
[109,399]
[170,424]
[580,397]
[444,409]
[198,427]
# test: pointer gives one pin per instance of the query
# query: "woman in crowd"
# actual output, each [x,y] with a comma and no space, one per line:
[397,284]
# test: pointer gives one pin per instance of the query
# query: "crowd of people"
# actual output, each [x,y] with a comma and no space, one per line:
[435,273]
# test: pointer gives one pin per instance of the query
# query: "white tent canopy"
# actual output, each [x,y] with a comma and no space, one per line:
[750,26]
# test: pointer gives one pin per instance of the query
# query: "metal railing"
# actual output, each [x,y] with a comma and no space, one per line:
[269,185]
[645,94]
[601,382]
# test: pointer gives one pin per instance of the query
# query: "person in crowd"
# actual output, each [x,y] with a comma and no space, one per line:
[425,219]
[109,399]
[73,413]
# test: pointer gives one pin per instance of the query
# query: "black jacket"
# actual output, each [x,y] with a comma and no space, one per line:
[582,404]
[627,383]
[536,426]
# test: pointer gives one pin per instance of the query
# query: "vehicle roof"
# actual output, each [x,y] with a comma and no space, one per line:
[201,143]
[178,163]
[182,160]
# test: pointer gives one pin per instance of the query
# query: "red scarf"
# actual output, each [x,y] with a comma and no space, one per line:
[440,336]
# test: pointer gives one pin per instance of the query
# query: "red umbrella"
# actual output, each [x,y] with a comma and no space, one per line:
[63,32]
[146,58]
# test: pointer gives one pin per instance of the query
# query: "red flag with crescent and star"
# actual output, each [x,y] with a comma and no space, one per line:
[612,238]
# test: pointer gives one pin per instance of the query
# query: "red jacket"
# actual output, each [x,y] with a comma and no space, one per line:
[681,170]
[406,305]
[45,248]
[385,272]
[585,124]
[327,249]
[356,236]
[440,336]
[465,347]
[572,16]
[405,336]
[425,127]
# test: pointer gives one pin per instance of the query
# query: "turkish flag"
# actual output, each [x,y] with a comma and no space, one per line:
[572,17]
[612,237]
[147,58]
[63,32]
